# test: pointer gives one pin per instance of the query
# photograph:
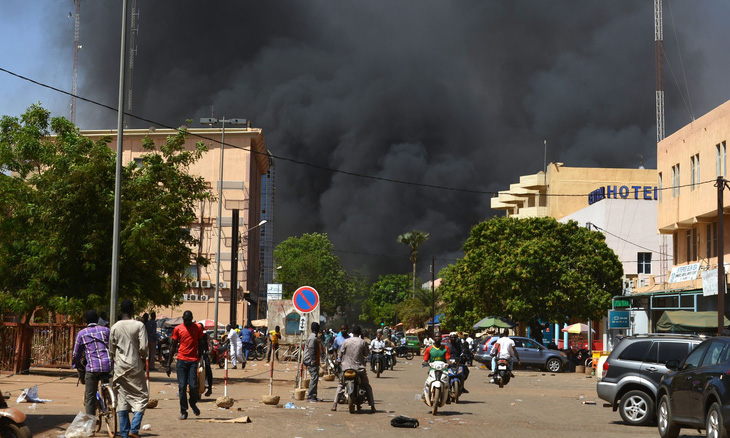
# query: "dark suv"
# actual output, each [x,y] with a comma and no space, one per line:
[631,374]
[696,394]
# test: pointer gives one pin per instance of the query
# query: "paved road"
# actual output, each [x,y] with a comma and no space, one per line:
[534,404]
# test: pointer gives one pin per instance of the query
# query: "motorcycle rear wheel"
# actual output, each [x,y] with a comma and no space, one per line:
[501,382]
[351,404]
[409,355]
[377,369]
[456,391]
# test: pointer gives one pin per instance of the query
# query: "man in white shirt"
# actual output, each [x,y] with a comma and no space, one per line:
[504,348]
[377,343]
[234,345]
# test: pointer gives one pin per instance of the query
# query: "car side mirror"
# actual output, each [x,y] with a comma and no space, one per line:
[672,364]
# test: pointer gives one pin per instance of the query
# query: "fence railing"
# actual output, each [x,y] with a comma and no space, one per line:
[51,345]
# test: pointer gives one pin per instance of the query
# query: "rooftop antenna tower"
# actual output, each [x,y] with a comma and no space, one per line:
[77,48]
[660,132]
[134,27]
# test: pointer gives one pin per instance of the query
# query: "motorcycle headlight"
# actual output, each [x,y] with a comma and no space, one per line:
[350,374]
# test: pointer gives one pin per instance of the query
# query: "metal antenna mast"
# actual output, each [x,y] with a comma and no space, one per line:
[77,47]
[660,132]
[134,30]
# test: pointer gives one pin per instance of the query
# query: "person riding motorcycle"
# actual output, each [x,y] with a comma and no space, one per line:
[504,348]
[460,353]
[436,352]
[353,354]
[375,344]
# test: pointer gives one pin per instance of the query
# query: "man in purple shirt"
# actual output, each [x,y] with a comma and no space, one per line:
[92,344]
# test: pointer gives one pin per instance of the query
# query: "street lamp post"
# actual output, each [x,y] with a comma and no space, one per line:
[212,121]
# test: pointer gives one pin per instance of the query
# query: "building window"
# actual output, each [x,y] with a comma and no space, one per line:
[694,171]
[688,244]
[711,240]
[675,180]
[694,244]
[661,186]
[644,263]
[721,159]
[675,248]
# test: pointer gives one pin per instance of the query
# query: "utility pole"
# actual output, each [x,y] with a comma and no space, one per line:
[77,47]
[433,297]
[720,184]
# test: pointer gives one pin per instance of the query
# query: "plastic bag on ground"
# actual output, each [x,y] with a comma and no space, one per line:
[82,426]
[30,395]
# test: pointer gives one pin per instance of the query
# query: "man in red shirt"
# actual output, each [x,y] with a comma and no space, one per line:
[186,341]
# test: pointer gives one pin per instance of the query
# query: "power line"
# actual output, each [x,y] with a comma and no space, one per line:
[305,163]
[621,238]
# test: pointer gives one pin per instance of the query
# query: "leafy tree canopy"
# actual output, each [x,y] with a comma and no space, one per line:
[530,269]
[385,294]
[308,261]
[56,217]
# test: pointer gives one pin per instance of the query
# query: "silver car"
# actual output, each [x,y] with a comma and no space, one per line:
[531,352]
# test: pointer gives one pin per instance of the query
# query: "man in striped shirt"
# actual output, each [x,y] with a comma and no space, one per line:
[92,344]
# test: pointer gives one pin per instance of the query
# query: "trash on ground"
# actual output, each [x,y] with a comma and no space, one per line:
[289,405]
[245,419]
[147,427]
[82,426]
[30,395]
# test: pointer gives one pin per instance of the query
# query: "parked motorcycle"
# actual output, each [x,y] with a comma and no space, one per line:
[389,358]
[12,422]
[355,396]
[218,353]
[163,348]
[436,390]
[502,373]
[404,351]
[456,379]
[377,361]
[331,365]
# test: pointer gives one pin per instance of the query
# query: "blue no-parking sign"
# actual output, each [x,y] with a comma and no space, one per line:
[305,299]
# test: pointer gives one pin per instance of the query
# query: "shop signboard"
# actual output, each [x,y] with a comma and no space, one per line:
[684,273]
[619,319]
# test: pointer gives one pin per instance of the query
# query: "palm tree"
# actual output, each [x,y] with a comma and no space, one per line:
[413,239]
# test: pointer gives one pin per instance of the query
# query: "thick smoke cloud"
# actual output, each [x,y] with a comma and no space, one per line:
[458,94]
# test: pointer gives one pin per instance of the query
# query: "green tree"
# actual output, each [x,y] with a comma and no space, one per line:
[529,270]
[56,204]
[416,310]
[413,239]
[309,261]
[385,294]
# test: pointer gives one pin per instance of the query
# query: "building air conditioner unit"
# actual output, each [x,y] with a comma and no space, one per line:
[193,297]
[186,297]
[205,284]
[222,285]
[204,298]
[194,284]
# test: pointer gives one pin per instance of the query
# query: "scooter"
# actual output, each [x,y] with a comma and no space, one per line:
[404,351]
[502,373]
[389,358]
[12,422]
[218,354]
[378,361]
[355,396]
[163,348]
[436,390]
[456,379]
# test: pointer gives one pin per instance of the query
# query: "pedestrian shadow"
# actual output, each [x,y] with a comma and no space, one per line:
[48,423]
[469,402]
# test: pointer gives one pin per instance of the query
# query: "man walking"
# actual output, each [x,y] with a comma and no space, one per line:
[92,344]
[234,346]
[128,348]
[353,354]
[186,343]
[246,338]
[312,357]
[274,337]
[205,355]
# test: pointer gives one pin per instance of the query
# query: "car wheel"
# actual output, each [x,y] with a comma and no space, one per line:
[636,408]
[714,424]
[554,365]
[667,427]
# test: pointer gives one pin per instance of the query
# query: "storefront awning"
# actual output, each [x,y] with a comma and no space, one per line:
[677,321]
